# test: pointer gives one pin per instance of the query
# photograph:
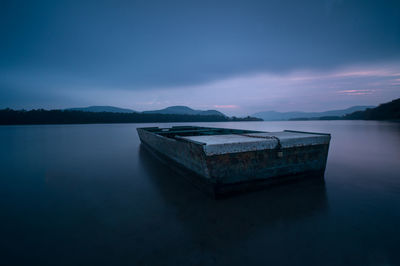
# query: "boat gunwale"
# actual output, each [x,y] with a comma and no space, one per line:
[158,131]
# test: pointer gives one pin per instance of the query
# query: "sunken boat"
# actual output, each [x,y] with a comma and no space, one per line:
[223,161]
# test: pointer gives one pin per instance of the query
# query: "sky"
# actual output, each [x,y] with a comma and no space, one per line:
[239,57]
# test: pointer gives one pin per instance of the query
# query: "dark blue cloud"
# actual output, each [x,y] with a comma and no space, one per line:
[144,44]
[162,42]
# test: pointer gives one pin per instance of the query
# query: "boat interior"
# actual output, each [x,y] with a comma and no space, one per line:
[180,131]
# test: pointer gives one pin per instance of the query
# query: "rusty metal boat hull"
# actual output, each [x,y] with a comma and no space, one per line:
[223,161]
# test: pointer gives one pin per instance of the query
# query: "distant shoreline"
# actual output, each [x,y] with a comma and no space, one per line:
[63,117]
[389,111]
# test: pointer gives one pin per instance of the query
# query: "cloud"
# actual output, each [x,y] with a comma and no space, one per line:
[227,106]
[304,90]
[300,90]
[356,92]
[151,44]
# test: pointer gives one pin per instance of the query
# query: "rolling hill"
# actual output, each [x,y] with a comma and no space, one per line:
[385,111]
[275,116]
[183,110]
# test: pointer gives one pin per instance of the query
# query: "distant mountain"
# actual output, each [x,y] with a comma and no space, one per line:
[273,116]
[98,109]
[183,110]
[385,111]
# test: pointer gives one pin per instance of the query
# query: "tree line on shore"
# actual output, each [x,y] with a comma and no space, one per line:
[385,111]
[41,116]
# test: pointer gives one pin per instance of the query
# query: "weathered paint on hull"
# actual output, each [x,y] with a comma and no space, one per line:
[238,171]
[231,168]
[187,154]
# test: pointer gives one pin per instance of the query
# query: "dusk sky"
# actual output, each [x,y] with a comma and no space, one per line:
[239,57]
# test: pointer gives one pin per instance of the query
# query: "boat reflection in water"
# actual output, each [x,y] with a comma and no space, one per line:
[223,222]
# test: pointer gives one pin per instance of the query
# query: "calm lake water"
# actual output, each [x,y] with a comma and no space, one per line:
[90,195]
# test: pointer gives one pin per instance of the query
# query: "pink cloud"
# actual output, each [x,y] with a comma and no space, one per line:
[356,92]
[228,106]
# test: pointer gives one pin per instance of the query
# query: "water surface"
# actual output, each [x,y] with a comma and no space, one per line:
[89,194]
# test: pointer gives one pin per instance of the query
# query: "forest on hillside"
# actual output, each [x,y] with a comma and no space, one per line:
[41,116]
[385,111]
